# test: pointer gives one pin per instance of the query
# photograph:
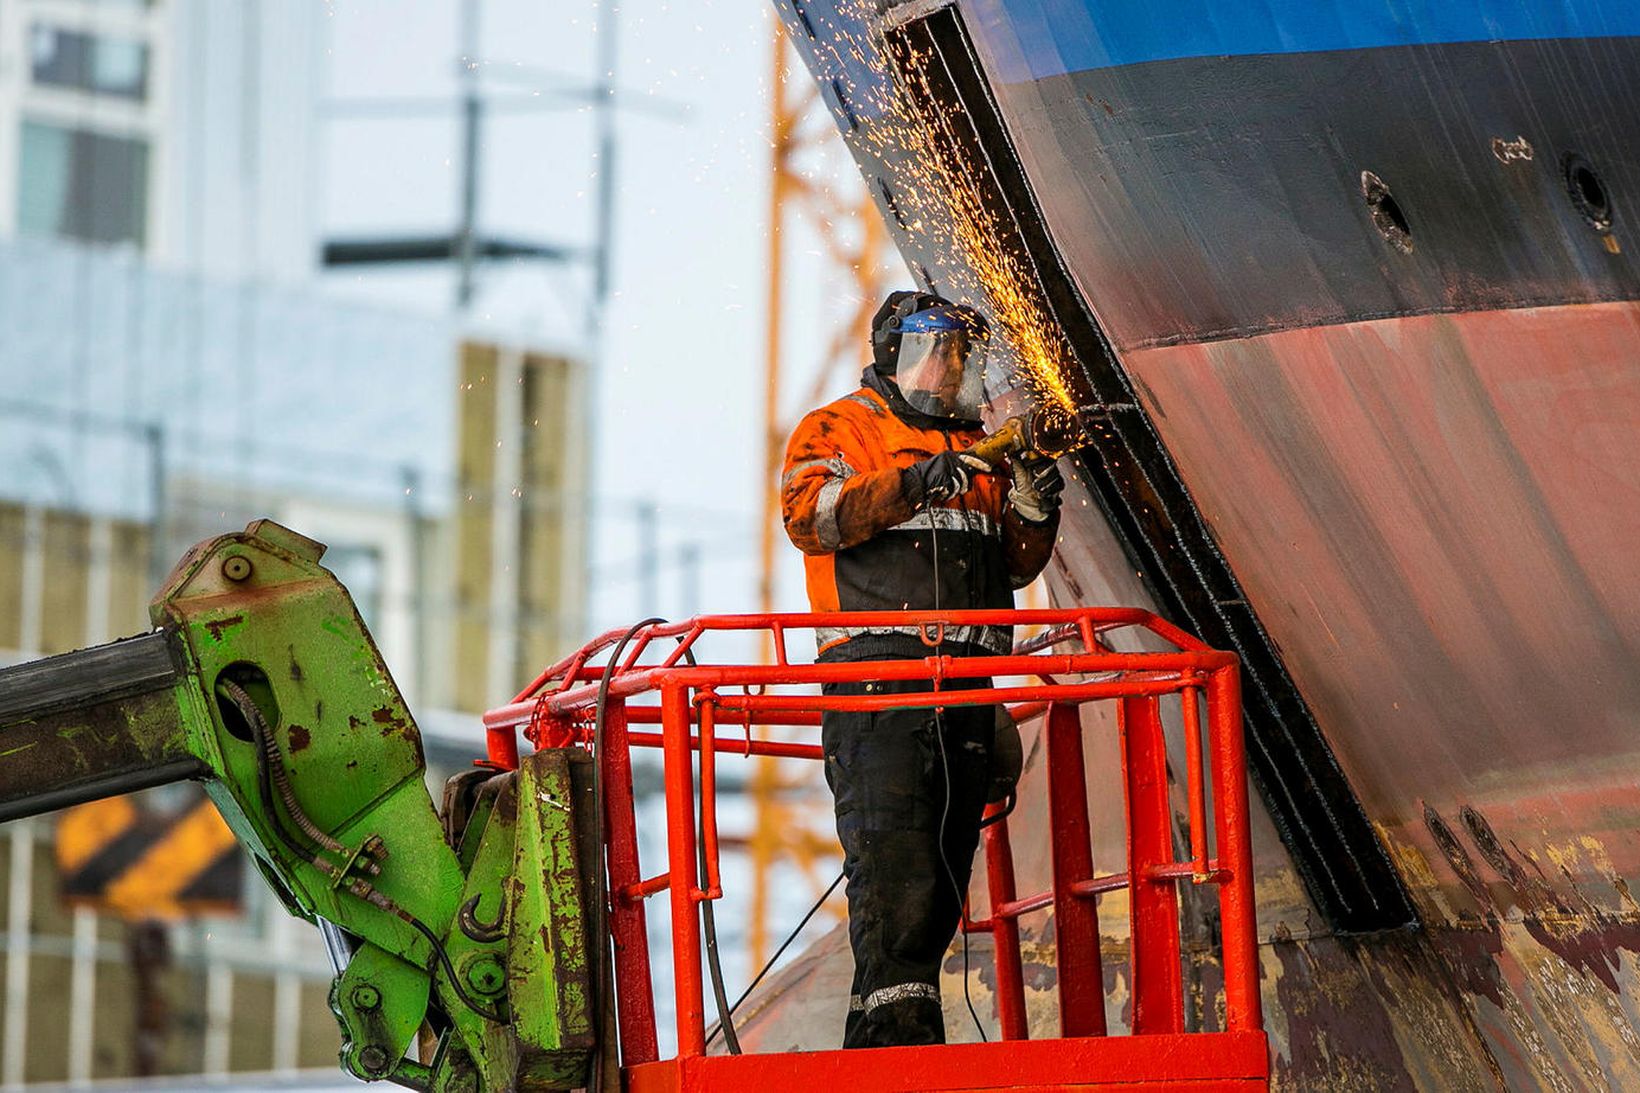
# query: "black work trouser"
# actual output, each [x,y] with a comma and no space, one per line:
[908,848]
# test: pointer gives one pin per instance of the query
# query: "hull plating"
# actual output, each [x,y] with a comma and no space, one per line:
[1419,465]
[1437,516]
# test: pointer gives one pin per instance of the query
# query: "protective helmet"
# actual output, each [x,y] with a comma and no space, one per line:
[936,352]
[885,326]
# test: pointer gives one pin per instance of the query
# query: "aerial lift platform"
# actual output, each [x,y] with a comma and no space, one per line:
[507,928]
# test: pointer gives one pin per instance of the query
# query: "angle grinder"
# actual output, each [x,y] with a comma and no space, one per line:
[1048,434]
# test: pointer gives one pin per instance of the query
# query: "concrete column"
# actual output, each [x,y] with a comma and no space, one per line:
[32,609]
[19,910]
[218,1017]
[82,997]
[507,510]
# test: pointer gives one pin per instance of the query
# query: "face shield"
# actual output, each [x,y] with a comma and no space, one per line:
[941,369]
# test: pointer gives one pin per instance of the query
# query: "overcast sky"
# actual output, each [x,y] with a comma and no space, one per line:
[680,388]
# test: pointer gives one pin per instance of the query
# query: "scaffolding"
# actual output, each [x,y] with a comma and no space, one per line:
[698,699]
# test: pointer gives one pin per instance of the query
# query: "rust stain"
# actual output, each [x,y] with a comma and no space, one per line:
[389,721]
[1419,984]
[1458,858]
[1541,989]
[1072,585]
[220,626]
[1339,1035]
[299,738]
[506,802]
[1588,946]
[1533,896]
[1585,937]
[1472,956]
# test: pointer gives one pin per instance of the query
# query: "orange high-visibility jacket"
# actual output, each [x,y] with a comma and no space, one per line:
[866,549]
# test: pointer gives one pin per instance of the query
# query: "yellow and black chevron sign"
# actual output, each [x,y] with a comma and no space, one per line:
[122,856]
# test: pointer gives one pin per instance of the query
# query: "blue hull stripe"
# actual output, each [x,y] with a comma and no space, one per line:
[1033,39]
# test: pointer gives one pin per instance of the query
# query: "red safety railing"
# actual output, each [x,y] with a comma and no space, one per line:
[698,701]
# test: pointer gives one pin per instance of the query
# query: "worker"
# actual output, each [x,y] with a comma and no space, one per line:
[891,515]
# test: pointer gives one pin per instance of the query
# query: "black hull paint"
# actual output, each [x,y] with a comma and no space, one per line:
[1250,218]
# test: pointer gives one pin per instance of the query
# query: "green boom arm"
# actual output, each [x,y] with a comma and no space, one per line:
[262,681]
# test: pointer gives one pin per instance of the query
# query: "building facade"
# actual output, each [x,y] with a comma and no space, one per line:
[170,368]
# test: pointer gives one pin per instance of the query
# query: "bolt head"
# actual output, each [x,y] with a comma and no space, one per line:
[373,1059]
[236,567]
[366,997]
[486,975]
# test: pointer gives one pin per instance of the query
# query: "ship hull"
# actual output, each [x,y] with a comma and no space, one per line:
[1364,277]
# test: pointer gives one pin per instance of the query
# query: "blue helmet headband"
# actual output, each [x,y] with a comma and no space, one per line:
[944,318]
[931,321]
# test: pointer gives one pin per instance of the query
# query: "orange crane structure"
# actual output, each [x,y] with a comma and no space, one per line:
[853,247]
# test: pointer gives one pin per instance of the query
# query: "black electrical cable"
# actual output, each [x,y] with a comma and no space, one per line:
[791,937]
[599,934]
[708,916]
[252,713]
[719,996]
[600,903]
[267,753]
[443,959]
[945,767]
[951,873]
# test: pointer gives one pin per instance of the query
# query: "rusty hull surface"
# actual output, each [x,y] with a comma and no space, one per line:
[1436,518]
[1516,834]
[1501,997]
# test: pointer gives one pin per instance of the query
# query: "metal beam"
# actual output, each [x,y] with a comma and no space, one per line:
[91,724]
[388,250]
[99,674]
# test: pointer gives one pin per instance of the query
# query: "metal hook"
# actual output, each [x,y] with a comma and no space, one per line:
[477,929]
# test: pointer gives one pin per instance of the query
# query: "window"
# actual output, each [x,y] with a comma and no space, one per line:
[83,185]
[86,62]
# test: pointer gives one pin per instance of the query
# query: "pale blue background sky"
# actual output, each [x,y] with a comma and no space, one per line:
[681,387]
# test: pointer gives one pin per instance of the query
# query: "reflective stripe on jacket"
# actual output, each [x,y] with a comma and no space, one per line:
[866,549]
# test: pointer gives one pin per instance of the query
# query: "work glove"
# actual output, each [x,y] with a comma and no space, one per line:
[1037,486]
[940,477]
